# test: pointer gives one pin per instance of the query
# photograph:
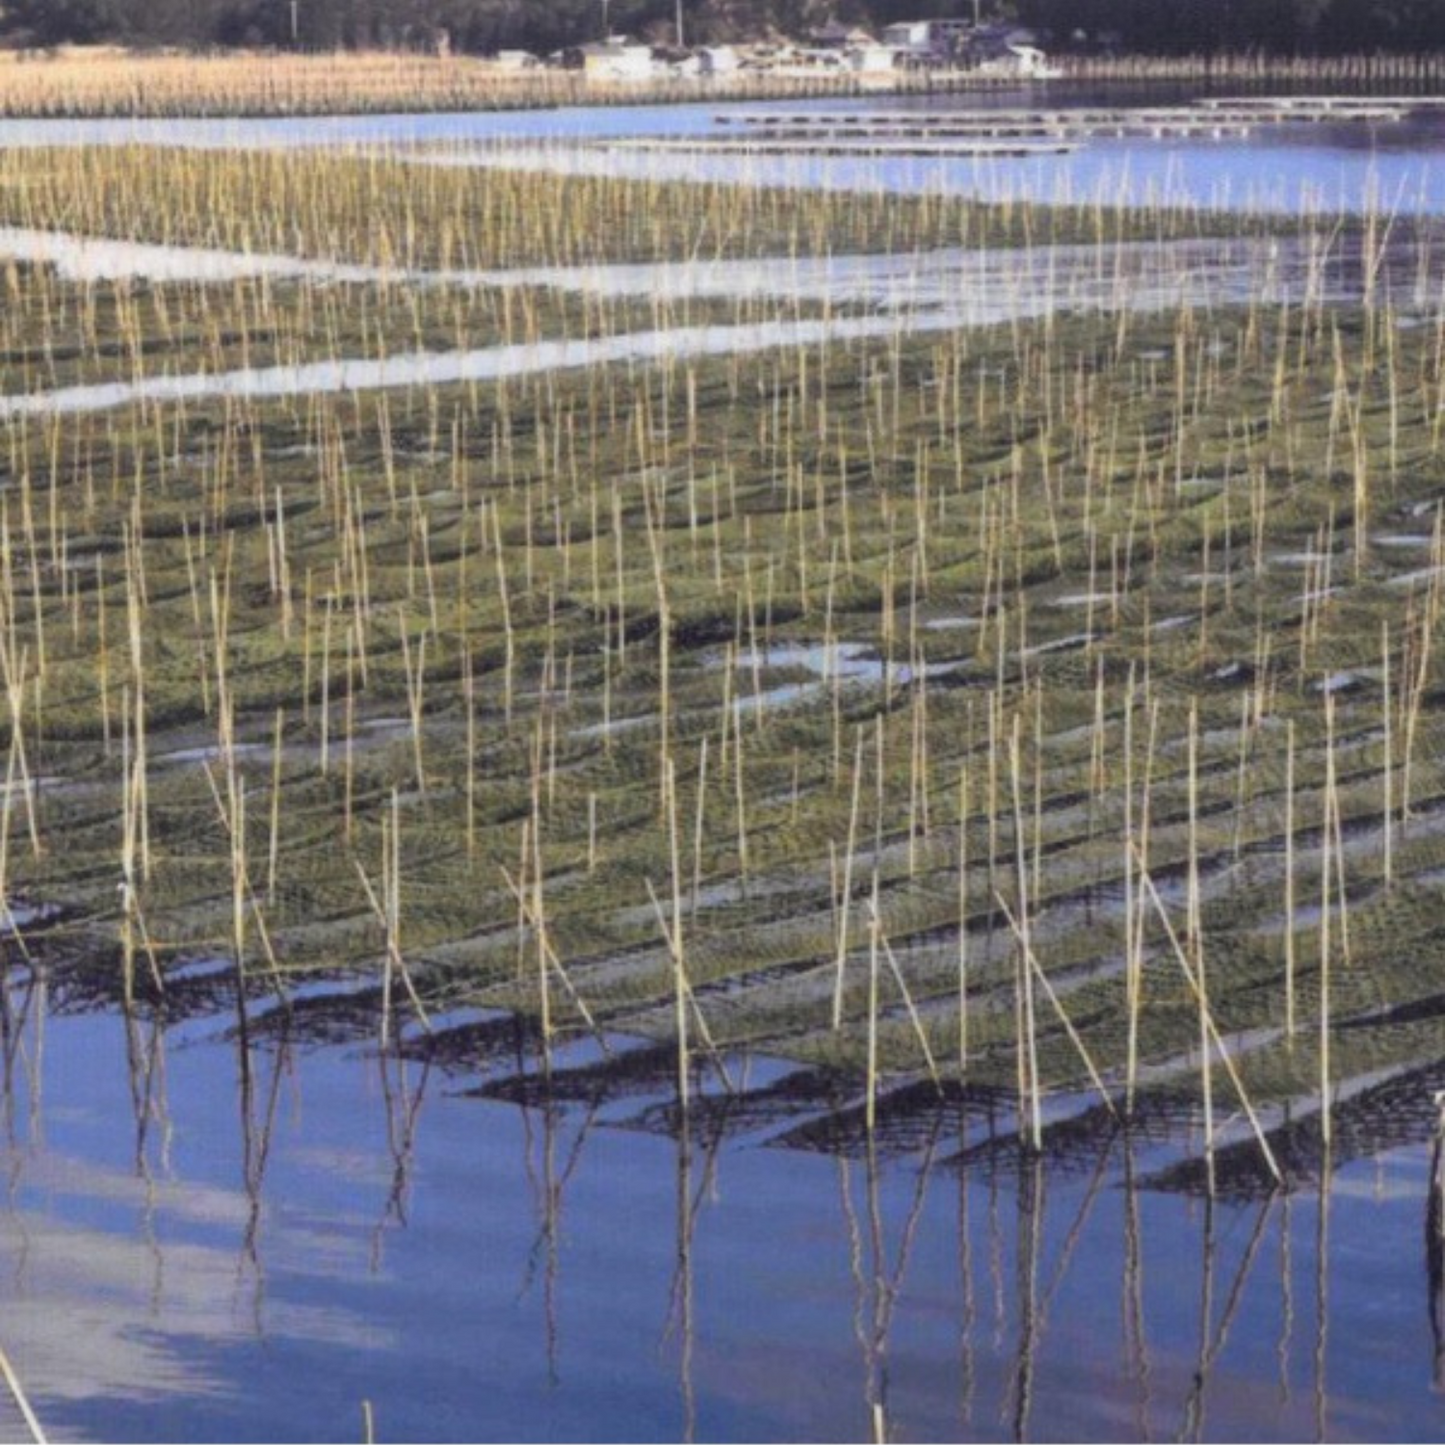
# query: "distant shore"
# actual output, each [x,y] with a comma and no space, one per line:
[80,82]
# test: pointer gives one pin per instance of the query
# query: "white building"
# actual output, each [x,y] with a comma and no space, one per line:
[618,59]
[919,38]
[870,59]
[1026,62]
[718,60]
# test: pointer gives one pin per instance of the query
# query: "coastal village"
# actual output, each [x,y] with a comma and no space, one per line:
[1000,51]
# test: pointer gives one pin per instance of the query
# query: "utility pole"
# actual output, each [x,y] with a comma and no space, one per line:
[681,42]
[296,22]
[606,20]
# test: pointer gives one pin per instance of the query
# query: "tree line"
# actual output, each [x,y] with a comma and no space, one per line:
[1278,26]
[541,26]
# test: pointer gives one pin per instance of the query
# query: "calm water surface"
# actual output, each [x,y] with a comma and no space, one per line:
[255,1262]
[1396,167]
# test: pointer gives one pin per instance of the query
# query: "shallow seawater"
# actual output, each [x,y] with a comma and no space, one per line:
[1393,167]
[926,292]
[256,1262]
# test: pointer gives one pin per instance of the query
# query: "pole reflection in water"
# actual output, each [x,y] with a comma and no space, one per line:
[969,1304]
[29,1018]
[996,1248]
[145,1057]
[548,1185]
[145,1041]
[1435,1244]
[1035,1306]
[1286,1298]
[1027,1241]
[542,1258]
[1136,1334]
[1193,1426]
[1322,1300]
[403,1102]
[681,1309]
[1213,1339]
[682,1301]
[1119,1307]
[258,1131]
[878,1284]
[13,1027]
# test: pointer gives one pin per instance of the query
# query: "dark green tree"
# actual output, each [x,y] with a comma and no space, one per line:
[57,22]
[1281,26]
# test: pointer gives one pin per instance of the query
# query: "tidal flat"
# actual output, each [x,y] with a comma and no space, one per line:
[974,730]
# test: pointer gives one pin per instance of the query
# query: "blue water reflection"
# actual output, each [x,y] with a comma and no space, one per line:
[1395,167]
[478,1270]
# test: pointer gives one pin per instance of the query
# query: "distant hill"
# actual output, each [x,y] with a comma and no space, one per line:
[545,25]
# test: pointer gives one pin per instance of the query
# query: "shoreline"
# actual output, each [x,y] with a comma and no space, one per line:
[107,83]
